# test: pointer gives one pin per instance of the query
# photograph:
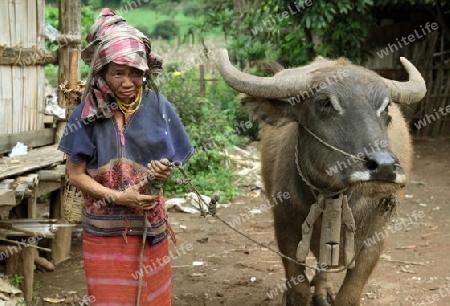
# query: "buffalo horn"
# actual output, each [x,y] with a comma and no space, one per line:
[411,91]
[267,87]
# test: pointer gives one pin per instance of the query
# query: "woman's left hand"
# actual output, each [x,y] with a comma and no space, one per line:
[159,170]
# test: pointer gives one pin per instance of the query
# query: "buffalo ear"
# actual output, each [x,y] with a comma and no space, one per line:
[271,111]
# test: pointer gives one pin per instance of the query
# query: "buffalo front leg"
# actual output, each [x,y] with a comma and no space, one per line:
[297,284]
[297,290]
[323,289]
[350,292]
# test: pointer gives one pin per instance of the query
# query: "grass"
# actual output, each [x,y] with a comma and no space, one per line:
[149,18]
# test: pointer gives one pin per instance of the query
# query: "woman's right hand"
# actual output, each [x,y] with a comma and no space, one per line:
[129,197]
[132,198]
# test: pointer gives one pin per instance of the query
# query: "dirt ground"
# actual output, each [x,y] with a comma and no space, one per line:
[415,266]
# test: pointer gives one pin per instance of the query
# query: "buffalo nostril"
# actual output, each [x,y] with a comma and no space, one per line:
[371,165]
[382,166]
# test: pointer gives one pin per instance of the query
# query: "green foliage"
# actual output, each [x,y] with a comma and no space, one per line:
[145,30]
[51,73]
[146,18]
[293,48]
[192,9]
[87,20]
[166,29]
[111,3]
[52,18]
[37,286]
[44,198]
[88,17]
[209,129]
[16,280]
[343,26]
[283,29]
[245,127]
[251,36]
[170,8]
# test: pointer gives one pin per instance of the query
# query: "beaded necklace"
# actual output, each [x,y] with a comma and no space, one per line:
[125,107]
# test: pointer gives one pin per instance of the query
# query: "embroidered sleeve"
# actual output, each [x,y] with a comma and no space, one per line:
[181,143]
[75,140]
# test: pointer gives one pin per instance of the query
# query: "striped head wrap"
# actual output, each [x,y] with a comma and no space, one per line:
[112,39]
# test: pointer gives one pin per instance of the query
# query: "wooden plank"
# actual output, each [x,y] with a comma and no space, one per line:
[30,80]
[441,101]
[17,98]
[5,73]
[445,102]
[6,101]
[12,22]
[40,98]
[19,105]
[31,23]
[35,159]
[31,201]
[22,262]
[37,138]
[5,38]
[47,187]
[62,242]
[50,175]
[40,18]
[33,83]
[29,74]
[48,119]
[61,245]
[7,197]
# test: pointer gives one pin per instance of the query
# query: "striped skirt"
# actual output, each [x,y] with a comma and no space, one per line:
[112,271]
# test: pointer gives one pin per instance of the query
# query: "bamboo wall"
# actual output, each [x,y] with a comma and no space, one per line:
[22,99]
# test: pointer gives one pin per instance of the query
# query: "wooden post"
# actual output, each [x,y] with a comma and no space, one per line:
[62,242]
[21,262]
[73,81]
[32,209]
[7,202]
[69,24]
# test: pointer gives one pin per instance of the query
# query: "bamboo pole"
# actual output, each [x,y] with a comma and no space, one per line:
[27,56]
[26,245]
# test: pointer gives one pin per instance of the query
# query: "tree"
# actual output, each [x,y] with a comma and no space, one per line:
[332,28]
[295,32]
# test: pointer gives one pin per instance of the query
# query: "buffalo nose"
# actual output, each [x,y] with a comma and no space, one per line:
[383,166]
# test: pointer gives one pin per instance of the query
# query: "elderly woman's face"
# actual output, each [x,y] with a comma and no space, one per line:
[124,81]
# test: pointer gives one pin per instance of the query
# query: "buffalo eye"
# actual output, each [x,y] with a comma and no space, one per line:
[388,119]
[324,103]
[385,115]
[324,106]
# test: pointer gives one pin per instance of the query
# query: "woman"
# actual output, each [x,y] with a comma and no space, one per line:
[120,134]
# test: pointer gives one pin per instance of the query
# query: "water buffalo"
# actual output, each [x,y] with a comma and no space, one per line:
[324,126]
